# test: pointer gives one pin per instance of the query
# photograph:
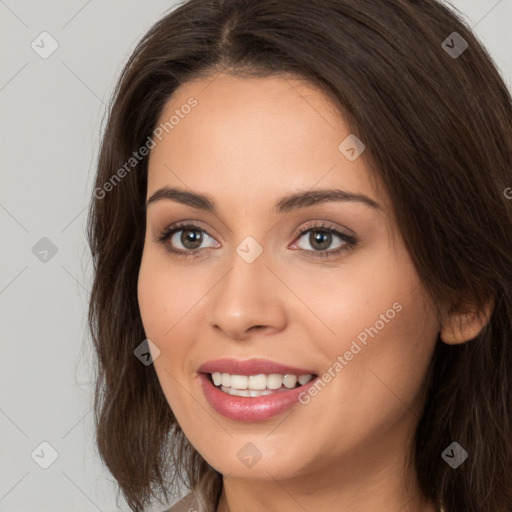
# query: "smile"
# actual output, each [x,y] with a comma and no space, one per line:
[257,385]
[252,405]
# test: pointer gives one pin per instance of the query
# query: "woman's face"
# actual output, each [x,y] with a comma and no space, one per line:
[251,286]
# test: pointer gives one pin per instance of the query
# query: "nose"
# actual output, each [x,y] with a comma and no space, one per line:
[248,300]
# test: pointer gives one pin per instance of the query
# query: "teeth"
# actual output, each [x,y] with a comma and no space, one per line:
[257,382]
[239,381]
[257,385]
[304,379]
[254,393]
[246,392]
[226,379]
[290,380]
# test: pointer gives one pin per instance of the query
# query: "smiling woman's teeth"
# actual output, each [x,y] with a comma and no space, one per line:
[257,385]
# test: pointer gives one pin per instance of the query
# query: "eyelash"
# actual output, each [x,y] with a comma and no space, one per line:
[349,241]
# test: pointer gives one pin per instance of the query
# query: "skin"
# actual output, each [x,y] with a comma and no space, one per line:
[246,144]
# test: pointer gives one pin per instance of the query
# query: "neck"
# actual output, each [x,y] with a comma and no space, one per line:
[279,496]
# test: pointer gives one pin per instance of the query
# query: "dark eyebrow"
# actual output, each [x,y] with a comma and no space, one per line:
[283,205]
[199,201]
[312,197]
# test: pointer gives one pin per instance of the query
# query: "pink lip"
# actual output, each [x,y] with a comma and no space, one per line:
[247,409]
[251,409]
[251,367]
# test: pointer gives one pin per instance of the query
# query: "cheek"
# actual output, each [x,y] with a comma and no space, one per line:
[152,301]
[165,295]
[379,383]
[384,330]
[365,298]
[389,357]
[163,305]
[170,303]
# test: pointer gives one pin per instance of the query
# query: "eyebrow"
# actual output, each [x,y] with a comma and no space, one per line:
[283,205]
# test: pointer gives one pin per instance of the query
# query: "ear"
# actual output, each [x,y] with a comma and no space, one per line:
[465,322]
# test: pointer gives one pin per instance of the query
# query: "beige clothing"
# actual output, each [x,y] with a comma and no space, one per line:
[187,504]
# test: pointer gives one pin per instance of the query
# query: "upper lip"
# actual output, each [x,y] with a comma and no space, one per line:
[253,366]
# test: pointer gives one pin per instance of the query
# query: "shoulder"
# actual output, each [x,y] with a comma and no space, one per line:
[187,504]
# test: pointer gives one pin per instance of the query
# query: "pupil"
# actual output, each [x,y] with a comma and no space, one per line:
[191,238]
[321,237]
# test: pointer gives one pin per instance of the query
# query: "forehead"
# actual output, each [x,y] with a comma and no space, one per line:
[253,139]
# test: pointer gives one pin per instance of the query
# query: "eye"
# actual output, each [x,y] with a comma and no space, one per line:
[321,238]
[185,239]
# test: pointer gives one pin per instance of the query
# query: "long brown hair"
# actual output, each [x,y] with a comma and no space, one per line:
[437,126]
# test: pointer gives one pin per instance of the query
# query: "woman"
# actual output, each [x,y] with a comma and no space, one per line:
[301,232]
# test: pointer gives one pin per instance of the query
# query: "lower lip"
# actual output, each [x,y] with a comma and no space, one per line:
[250,409]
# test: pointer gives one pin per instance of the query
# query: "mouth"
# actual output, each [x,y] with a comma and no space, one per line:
[248,396]
[253,386]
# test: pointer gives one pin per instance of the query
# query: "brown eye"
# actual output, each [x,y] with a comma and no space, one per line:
[324,241]
[191,238]
[186,239]
[320,240]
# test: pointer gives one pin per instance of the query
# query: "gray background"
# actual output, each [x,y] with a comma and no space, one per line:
[52,113]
